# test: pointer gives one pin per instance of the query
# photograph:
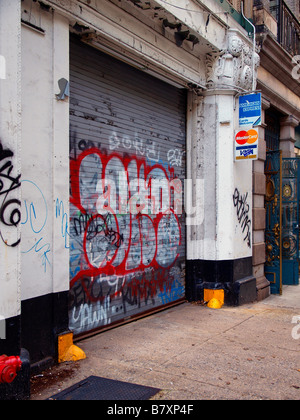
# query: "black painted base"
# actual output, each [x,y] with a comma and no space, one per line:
[42,320]
[12,344]
[36,330]
[233,276]
[19,389]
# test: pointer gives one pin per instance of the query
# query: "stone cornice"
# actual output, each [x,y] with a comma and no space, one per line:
[278,62]
[277,100]
[109,26]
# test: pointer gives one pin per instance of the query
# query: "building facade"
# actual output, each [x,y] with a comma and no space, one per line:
[276,175]
[119,189]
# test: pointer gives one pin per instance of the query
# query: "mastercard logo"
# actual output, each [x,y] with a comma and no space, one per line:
[246,137]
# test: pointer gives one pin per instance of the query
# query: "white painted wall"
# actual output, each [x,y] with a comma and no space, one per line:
[45,143]
[212,121]
[45,156]
[234,181]
[10,136]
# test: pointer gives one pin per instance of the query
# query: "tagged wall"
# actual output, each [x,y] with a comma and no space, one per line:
[10,164]
[45,208]
[127,144]
[10,206]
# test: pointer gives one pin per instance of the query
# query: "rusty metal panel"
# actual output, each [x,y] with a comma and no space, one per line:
[127,171]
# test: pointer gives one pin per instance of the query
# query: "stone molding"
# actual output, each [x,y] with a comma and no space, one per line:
[232,68]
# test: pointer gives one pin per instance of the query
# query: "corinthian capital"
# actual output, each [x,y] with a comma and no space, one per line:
[233,68]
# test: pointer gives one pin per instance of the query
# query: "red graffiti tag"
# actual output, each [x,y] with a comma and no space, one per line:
[125,218]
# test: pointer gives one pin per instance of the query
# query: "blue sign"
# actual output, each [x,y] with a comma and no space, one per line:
[250,110]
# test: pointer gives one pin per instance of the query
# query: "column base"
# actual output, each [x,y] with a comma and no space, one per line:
[233,276]
[263,288]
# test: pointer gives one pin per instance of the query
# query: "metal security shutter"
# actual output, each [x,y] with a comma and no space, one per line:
[127,171]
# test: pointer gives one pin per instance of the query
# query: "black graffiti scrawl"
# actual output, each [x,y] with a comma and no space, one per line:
[242,213]
[10,207]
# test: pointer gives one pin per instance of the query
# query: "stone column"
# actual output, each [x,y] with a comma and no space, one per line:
[10,181]
[10,198]
[219,247]
[259,213]
[287,135]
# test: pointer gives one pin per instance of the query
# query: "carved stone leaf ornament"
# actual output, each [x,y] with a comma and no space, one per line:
[232,68]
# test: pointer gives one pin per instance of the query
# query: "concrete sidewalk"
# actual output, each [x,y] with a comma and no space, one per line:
[192,352]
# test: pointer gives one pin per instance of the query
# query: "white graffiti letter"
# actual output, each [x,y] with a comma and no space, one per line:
[194,202]
[296,329]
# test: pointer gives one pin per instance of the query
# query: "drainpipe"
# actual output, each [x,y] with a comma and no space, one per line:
[253,58]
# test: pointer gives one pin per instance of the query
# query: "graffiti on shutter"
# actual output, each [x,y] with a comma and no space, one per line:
[127,237]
